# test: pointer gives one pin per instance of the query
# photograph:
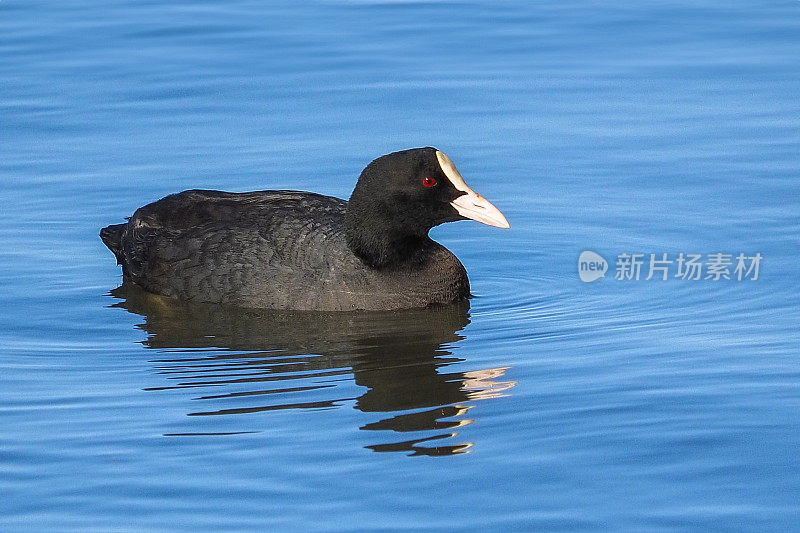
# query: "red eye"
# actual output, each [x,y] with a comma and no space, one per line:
[428,181]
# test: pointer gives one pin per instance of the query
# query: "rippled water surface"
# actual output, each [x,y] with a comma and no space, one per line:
[545,403]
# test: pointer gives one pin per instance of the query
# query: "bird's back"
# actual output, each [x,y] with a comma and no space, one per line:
[235,248]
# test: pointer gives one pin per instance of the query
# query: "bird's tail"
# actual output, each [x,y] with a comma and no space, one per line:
[112,237]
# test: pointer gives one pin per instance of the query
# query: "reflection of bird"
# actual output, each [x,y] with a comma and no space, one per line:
[304,251]
[272,360]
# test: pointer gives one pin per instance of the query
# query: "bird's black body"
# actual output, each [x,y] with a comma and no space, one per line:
[300,250]
[271,249]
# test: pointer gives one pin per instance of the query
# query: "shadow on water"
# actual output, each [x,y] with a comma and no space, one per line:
[255,361]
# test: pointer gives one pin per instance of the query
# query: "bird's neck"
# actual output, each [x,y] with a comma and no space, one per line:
[376,238]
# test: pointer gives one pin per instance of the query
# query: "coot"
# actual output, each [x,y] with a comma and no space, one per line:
[304,251]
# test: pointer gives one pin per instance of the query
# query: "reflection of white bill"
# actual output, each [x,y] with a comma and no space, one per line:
[591,266]
[481,384]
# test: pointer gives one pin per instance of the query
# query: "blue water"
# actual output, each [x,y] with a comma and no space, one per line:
[617,127]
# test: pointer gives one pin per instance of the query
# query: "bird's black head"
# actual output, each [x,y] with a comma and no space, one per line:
[401,196]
